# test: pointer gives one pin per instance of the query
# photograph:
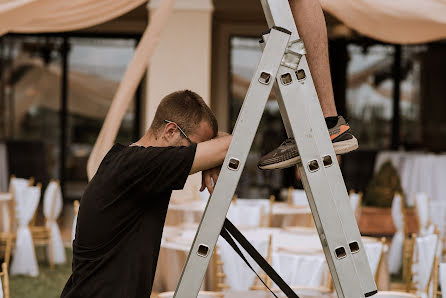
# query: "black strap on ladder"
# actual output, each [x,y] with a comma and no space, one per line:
[229,232]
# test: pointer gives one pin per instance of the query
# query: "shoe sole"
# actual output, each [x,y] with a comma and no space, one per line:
[339,148]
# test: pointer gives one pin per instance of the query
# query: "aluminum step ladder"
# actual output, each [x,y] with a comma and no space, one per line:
[283,65]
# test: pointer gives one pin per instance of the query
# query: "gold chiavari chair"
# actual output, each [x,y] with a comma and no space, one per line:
[219,275]
[5,280]
[201,294]
[272,200]
[257,284]
[41,234]
[433,277]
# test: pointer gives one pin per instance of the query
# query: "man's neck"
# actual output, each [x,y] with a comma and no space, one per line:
[148,140]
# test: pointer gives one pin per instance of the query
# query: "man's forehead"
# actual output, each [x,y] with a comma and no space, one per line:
[204,131]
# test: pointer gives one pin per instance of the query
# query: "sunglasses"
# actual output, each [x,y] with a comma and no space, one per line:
[182,131]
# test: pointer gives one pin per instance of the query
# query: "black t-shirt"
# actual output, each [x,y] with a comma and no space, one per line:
[121,219]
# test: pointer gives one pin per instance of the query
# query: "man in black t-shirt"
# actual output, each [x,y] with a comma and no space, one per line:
[123,209]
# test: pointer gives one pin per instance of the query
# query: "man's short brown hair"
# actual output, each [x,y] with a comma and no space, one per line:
[187,109]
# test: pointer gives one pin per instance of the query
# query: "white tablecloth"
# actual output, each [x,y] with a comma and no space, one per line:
[419,172]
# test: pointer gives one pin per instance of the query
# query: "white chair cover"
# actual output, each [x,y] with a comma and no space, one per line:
[204,195]
[443,278]
[24,261]
[73,229]
[391,294]
[374,251]
[238,276]
[300,270]
[422,203]
[245,215]
[396,247]
[200,295]
[424,256]
[52,193]
[354,201]
[300,197]
[437,211]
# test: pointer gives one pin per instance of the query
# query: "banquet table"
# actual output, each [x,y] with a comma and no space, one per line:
[301,250]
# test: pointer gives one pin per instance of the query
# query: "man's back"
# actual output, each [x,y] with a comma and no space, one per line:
[121,219]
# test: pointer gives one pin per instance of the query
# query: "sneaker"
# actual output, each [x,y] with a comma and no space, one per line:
[287,155]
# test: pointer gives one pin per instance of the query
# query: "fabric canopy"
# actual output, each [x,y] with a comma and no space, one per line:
[396,21]
[32,16]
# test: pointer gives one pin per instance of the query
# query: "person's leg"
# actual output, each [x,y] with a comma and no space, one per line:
[310,23]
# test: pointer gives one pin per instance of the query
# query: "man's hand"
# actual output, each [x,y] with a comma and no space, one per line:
[209,179]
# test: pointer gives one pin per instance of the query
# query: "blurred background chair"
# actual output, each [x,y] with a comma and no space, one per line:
[24,260]
[396,247]
[4,282]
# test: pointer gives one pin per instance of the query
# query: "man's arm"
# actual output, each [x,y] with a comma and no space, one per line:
[211,154]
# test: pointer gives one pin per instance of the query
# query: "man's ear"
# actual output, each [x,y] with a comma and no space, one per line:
[169,131]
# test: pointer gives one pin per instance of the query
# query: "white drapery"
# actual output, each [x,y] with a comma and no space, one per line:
[396,248]
[33,16]
[419,172]
[52,207]
[396,21]
[26,202]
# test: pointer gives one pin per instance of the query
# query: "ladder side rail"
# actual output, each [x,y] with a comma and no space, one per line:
[243,136]
[324,209]
[279,13]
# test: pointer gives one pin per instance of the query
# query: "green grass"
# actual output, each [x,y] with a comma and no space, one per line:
[48,284]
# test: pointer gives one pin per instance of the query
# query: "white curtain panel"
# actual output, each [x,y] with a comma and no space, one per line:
[24,260]
[52,207]
[243,215]
[1,289]
[419,172]
[396,247]
[424,255]
[238,275]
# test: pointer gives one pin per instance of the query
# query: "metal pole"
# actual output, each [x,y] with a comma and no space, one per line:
[396,97]
[63,109]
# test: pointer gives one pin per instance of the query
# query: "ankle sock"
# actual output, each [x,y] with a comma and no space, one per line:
[331,121]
